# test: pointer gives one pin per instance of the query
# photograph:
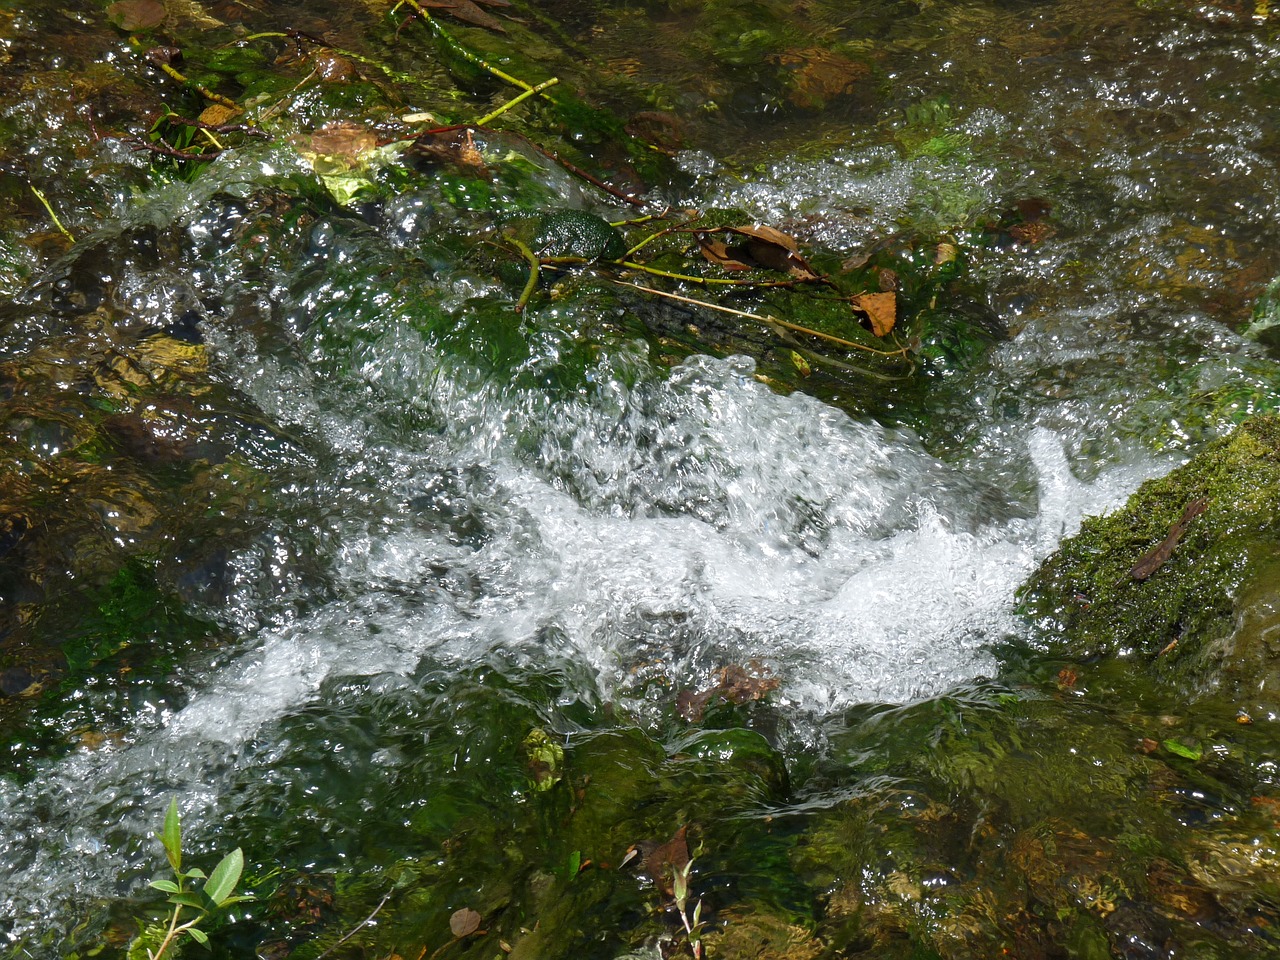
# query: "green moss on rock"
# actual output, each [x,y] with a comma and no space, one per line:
[1184,616]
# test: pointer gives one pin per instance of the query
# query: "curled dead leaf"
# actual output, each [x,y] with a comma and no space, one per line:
[464,922]
[724,256]
[762,246]
[454,148]
[881,310]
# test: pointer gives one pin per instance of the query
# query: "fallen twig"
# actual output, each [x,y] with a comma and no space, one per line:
[168,151]
[219,127]
[766,320]
[358,927]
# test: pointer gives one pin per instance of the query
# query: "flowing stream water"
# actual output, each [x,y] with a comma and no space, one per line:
[429,547]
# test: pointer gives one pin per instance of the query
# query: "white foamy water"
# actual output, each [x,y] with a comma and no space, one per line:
[673,528]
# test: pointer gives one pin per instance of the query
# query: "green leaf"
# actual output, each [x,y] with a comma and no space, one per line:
[198,935]
[187,899]
[195,873]
[225,876]
[168,886]
[1180,749]
[171,836]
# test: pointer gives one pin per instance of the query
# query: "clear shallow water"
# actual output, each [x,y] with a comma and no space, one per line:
[632,535]
[649,534]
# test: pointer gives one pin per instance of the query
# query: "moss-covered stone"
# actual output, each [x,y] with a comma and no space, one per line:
[1205,612]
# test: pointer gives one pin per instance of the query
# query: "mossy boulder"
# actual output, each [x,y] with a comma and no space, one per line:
[1206,613]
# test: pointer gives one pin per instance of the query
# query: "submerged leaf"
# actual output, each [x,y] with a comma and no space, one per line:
[1180,749]
[464,922]
[134,15]
[348,141]
[467,12]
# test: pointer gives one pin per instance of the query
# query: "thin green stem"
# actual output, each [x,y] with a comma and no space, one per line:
[652,237]
[169,936]
[535,268]
[532,91]
[458,48]
[200,89]
[52,216]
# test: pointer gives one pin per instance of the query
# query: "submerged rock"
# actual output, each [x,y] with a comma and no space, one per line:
[1202,606]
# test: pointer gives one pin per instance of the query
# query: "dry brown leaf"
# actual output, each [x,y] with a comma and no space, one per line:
[134,15]
[464,922]
[881,310]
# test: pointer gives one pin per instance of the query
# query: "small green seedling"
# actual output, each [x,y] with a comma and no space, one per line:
[692,925]
[214,894]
